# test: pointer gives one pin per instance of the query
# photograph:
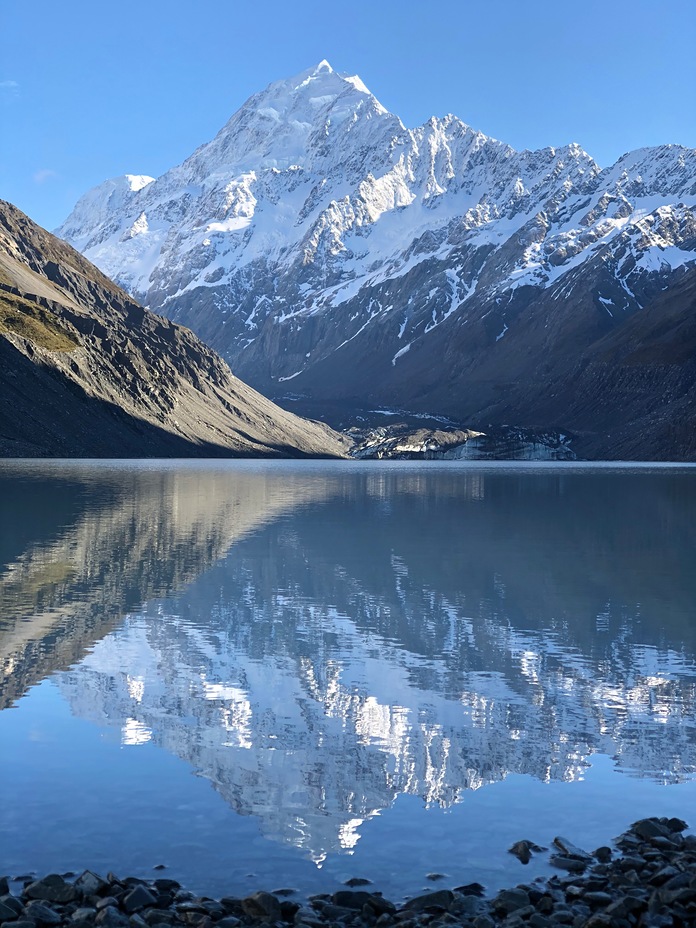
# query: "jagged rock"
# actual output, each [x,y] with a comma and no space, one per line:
[650,828]
[7,914]
[42,914]
[571,850]
[471,889]
[440,899]
[111,917]
[263,906]
[572,864]
[83,916]
[165,885]
[351,899]
[51,888]
[90,884]
[527,300]
[159,917]
[139,898]
[509,900]
[12,902]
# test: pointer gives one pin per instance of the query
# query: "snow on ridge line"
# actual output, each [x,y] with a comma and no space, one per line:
[313,191]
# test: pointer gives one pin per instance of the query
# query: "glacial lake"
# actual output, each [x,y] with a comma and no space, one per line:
[269,675]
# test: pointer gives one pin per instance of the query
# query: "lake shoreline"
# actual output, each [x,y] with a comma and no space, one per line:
[647,879]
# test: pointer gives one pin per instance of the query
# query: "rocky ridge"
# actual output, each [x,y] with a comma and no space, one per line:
[404,442]
[326,249]
[650,882]
[87,372]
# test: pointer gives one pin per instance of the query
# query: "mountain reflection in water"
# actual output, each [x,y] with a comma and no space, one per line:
[318,639]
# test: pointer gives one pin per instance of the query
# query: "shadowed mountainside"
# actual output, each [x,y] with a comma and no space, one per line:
[87,372]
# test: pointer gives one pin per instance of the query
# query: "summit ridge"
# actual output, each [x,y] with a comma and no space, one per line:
[336,257]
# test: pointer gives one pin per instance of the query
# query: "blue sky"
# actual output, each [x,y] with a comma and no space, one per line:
[91,90]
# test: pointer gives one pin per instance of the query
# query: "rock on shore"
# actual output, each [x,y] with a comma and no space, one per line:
[649,881]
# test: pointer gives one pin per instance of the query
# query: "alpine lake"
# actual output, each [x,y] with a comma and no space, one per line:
[287,675]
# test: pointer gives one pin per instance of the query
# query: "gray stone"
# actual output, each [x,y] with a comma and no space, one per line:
[51,888]
[440,899]
[603,854]
[137,921]
[42,914]
[679,881]
[7,914]
[509,900]
[110,917]
[380,905]
[522,851]
[229,921]
[351,899]
[12,902]
[572,864]
[24,923]
[335,913]
[484,921]
[650,828]
[357,881]
[90,883]
[568,849]
[539,921]
[164,885]
[466,905]
[4,886]
[598,898]
[83,916]
[138,898]
[159,917]
[262,906]
[105,902]
[384,919]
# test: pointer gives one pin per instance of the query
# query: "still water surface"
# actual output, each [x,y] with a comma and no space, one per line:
[266,675]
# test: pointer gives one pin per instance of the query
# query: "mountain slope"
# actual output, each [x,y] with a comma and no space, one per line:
[86,371]
[335,256]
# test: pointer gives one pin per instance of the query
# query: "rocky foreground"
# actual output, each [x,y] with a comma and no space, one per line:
[648,880]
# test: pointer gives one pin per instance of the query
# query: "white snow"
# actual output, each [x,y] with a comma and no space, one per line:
[313,182]
[400,353]
[138,181]
[229,225]
[505,329]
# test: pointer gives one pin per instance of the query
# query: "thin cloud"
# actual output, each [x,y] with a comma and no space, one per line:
[9,90]
[44,174]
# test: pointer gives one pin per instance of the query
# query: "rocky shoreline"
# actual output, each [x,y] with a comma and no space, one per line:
[648,880]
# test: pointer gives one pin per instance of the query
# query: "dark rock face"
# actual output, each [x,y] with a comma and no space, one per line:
[86,372]
[433,269]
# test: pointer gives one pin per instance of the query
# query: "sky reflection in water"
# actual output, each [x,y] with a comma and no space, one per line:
[378,668]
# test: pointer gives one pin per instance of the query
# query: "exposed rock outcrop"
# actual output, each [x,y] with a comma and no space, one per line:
[87,372]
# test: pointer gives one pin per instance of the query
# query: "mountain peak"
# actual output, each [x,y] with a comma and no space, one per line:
[318,83]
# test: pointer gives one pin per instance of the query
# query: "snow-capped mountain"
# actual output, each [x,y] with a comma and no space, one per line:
[324,248]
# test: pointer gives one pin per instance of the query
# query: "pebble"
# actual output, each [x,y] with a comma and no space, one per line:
[650,881]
